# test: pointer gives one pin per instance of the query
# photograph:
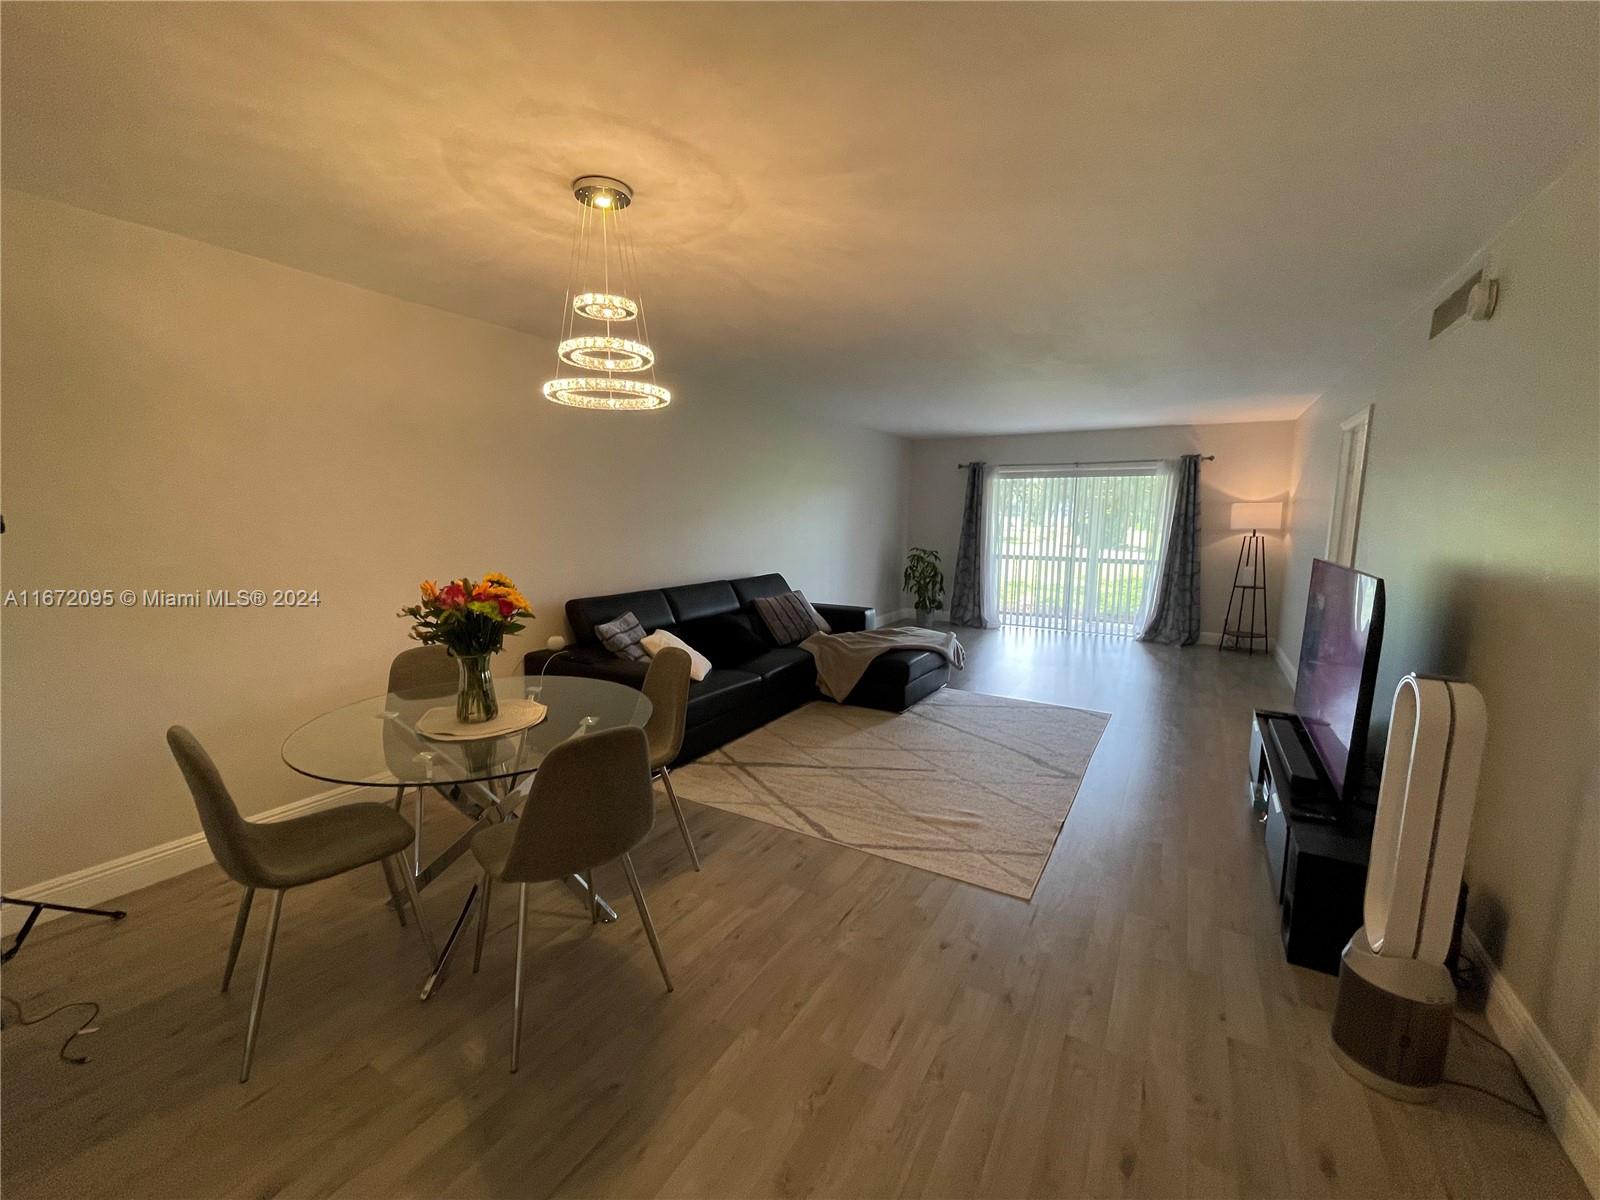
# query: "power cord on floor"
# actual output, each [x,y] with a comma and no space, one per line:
[1467,970]
[87,1027]
[1536,1113]
[1483,1037]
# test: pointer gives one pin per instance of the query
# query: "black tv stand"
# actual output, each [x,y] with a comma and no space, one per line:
[1316,847]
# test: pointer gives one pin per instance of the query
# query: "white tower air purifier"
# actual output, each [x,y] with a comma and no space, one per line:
[1391,1022]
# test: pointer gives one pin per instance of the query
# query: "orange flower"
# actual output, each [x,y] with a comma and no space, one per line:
[430,590]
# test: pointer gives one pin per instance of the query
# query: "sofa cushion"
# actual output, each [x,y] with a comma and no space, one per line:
[787,665]
[650,607]
[724,690]
[754,586]
[726,639]
[696,600]
[591,661]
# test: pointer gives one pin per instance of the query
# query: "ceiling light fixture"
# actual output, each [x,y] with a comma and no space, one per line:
[605,354]
[603,258]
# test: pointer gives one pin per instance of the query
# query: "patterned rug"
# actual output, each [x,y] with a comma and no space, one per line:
[971,786]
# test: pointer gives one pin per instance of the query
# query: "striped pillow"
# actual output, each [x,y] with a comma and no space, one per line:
[622,637]
[789,617]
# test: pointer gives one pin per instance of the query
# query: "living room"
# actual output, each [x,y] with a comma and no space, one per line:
[989,913]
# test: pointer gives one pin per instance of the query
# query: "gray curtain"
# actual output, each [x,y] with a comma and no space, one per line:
[966,597]
[1175,612]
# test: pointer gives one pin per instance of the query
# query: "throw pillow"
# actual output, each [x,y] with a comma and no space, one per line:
[622,637]
[789,617]
[655,643]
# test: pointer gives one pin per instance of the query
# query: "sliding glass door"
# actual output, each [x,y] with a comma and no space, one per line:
[1074,548]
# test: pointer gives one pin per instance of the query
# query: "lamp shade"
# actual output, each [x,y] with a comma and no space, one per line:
[1266,514]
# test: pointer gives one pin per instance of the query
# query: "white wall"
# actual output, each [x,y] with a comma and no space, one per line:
[1482,514]
[1252,463]
[180,416]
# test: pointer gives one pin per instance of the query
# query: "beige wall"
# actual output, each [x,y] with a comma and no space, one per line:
[1252,464]
[1482,514]
[179,416]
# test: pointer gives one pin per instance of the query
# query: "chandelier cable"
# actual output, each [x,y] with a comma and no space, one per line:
[631,248]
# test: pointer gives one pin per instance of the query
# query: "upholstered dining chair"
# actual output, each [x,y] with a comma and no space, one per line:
[422,667]
[419,668]
[590,803]
[666,685]
[289,854]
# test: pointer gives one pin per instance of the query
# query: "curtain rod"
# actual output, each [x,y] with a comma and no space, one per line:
[1104,462]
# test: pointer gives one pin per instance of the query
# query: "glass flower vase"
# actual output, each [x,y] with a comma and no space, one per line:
[475,698]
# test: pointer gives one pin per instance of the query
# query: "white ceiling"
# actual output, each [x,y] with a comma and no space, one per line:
[930,219]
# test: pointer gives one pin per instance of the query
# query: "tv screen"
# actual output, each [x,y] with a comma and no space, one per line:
[1338,667]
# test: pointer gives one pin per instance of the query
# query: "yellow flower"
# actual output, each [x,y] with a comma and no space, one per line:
[496,586]
[430,590]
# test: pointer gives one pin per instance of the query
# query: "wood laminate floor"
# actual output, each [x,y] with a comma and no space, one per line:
[842,1025]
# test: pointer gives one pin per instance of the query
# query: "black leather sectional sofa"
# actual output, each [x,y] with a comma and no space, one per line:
[752,680]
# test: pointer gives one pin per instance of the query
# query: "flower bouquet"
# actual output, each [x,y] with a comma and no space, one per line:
[470,620]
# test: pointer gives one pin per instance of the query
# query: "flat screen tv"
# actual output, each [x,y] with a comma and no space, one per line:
[1338,668]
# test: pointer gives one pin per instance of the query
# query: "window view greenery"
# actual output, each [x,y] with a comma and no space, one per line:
[1076,550]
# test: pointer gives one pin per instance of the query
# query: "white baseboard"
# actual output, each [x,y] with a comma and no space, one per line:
[1572,1117]
[95,885]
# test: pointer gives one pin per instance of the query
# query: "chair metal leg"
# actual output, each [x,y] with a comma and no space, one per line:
[644,915]
[485,889]
[516,995]
[239,923]
[399,798]
[261,986]
[683,824]
[397,902]
[416,909]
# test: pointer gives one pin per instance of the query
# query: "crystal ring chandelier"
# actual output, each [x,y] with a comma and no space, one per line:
[606,354]
[601,307]
[603,260]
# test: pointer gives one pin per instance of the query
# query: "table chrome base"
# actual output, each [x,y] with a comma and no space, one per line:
[603,913]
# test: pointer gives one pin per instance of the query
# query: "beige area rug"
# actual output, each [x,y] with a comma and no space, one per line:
[967,785]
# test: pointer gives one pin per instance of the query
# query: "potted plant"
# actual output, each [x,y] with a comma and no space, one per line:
[925,581]
[470,620]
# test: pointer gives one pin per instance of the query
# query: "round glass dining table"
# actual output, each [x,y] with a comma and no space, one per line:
[376,743]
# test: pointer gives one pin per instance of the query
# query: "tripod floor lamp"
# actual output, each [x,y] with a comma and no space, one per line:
[1250,577]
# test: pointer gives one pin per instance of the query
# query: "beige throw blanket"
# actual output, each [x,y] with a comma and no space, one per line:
[842,658]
